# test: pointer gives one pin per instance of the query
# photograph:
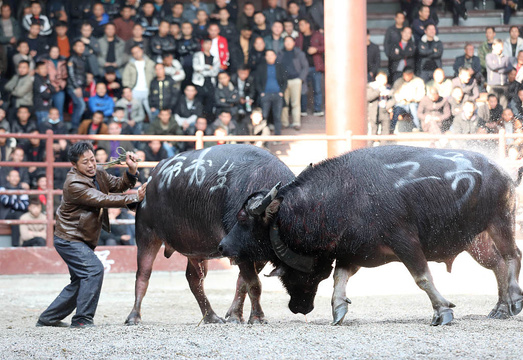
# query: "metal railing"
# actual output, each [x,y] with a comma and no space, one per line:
[351,141]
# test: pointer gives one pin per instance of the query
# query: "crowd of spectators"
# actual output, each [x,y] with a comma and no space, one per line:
[159,67]
[483,94]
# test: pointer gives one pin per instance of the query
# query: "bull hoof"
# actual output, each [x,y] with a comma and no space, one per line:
[338,313]
[442,317]
[501,311]
[133,319]
[235,319]
[516,307]
[257,320]
[213,319]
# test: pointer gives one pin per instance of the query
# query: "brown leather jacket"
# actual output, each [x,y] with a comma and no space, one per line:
[83,210]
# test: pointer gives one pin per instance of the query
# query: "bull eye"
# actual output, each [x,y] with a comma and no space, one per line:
[242,216]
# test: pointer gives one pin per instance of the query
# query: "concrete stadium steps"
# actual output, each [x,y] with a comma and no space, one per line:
[391,6]
[475,18]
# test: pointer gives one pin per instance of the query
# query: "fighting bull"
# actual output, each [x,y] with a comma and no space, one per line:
[191,203]
[373,206]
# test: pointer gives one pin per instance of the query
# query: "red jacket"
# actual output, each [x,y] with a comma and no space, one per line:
[317,41]
[223,49]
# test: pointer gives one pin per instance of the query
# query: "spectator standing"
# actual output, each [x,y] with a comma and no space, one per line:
[444,86]
[402,54]
[314,11]
[393,35]
[246,18]
[242,52]
[137,75]
[43,92]
[124,24]
[257,53]
[312,44]
[186,47]
[202,25]
[219,46]
[430,51]
[226,96]
[10,32]
[205,69]
[513,44]
[61,40]
[163,93]
[99,19]
[112,50]
[271,83]
[138,40]
[101,101]
[175,15]
[297,67]
[76,81]
[33,234]
[165,124]
[162,42]
[21,87]
[275,40]
[295,13]
[38,45]
[420,23]
[274,13]
[408,92]
[36,17]
[467,84]
[434,112]
[113,84]
[486,48]
[91,49]
[260,26]
[498,66]
[373,59]
[191,10]
[244,82]
[23,54]
[149,19]
[231,6]
[228,29]
[13,206]
[288,29]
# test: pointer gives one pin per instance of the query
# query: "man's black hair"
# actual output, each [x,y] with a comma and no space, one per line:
[408,70]
[78,150]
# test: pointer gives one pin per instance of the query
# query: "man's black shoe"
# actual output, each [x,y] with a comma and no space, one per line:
[40,323]
[81,325]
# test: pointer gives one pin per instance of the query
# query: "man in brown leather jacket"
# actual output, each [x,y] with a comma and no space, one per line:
[87,193]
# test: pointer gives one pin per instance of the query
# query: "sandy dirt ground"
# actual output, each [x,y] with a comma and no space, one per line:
[388,319]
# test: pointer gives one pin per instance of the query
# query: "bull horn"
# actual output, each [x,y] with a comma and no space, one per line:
[259,206]
[296,261]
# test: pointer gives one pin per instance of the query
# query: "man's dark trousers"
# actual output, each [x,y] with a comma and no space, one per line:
[273,102]
[83,292]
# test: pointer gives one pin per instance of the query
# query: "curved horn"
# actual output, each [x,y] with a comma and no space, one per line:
[259,206]
[296,261]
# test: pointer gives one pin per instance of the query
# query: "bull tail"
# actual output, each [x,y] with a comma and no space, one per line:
[520,175]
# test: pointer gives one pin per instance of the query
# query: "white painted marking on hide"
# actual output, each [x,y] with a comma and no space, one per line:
[410,178]
[198,167]
[222,173]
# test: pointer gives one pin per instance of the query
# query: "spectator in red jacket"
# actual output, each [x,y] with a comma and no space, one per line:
[220,46]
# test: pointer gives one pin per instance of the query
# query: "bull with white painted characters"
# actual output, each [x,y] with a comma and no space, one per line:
[191,203]
[377,205]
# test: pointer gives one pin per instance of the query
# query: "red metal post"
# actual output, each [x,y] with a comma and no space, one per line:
[49,174]
[345,71]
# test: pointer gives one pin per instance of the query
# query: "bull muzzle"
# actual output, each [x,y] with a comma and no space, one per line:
[226,249]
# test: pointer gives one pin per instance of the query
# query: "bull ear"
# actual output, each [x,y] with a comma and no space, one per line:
[277,271]
[272,210]
[259,206]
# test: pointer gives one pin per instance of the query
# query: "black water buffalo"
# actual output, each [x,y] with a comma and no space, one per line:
[191,203]
[377,205]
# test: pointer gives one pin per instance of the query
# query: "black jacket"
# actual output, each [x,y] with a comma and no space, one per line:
[226,97]
[163,94]
[186,49]
[76,70]
[184,112]
[398,54]
[249,88]
[42,93]
[373,60]
[272,15]
[261,77]
[161,45]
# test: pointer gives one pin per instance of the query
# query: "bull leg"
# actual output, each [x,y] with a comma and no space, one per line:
[340,302]
[195,274]
[246,281]
[146,256]
[254,287]
[408,249]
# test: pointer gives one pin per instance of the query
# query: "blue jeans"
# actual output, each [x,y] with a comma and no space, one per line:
[78,108]
[58,102]
[399,109]
[41,117]
[315,77]
[87,273]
